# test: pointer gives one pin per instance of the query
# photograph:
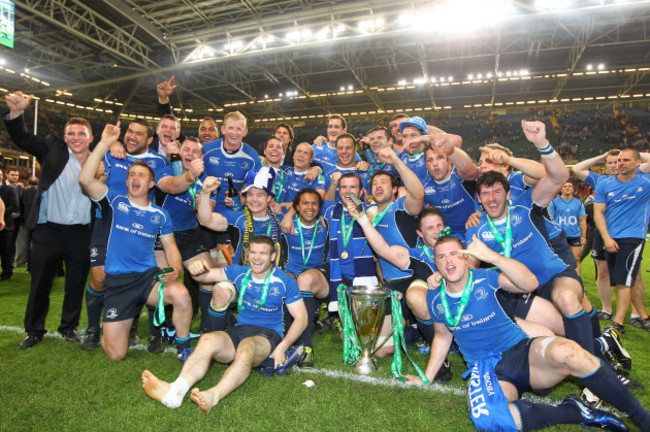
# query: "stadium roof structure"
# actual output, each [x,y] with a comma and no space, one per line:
[301,60]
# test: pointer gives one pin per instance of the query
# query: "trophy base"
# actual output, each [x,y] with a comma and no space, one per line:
[366,365]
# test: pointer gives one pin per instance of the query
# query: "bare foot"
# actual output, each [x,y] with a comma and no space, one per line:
[153,387]
[204,400]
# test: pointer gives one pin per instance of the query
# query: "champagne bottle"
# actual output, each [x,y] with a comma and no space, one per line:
[234,194]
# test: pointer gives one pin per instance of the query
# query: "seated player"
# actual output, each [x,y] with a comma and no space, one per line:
[258,335]
[130,281]
[503,361]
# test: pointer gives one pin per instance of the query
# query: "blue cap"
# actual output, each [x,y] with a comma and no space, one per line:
[416,122]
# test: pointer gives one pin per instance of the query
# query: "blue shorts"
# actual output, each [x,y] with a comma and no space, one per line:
[545,291]
[515,304]
[190,243]
[126,293]
[561,246]
[514,367]
[624,264]
[238,333]
[598,251]
[98,244]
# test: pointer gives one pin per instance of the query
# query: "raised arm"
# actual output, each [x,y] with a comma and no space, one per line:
[581,169]
[645,165]
[204,213]
[414,190]
[396,255]
[92,186]
[515,277]
[465,167]
[556,173]
[532,170]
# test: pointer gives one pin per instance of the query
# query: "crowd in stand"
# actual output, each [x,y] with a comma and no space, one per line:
[483,244]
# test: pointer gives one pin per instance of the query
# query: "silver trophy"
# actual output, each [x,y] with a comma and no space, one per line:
[367,305]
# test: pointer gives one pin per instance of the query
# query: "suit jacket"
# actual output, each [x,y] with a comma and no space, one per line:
[27,202]
[51,153]
[10,198]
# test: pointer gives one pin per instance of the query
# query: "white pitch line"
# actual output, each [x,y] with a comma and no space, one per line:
[329,373]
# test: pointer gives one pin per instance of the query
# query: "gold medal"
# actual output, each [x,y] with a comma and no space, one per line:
[344,255]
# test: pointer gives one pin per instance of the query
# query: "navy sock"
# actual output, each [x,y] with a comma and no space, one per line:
[578,329]
[204,303]
[606,385]
[310,304]
[94,306]
[215,320]
[426,328]
[595,323]
[151,312]
[537,416]
[182,343]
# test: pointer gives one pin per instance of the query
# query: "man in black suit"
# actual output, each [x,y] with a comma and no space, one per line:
[24,239]
[60,218]
[7,249]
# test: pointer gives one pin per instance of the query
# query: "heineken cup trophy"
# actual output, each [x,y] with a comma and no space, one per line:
[367,304]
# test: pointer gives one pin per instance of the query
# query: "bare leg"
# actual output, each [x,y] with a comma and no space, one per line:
[215,345]
[577,250]
[553,359]
[604,288]
[251,352]
[623,300]
[116,338]
[177,295]
[542,314]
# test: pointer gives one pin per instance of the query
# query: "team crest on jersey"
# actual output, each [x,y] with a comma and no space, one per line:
[123,207]
[275,291]
[111,313]
[480,294]
[152,164]
[516,220]
[155,219]
[246,166]
[137,226]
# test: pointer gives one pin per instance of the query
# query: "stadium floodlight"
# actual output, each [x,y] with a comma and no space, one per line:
[401,82]
[350,87]
[450,79]
[590,67]
[552,5]
[322,34]
[470,76]
[601,66]
[466,16]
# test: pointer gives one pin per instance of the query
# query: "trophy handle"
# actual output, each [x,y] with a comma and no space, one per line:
[389,335]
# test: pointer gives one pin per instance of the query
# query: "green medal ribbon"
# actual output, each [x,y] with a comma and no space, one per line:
[381,215]
[506,245]
[245,284]
[400,342]
[372,169]
[159,313]
[302,241]
[277,189]
[346,231]
[414,155]
[192,191]
[464,298]
[350,342]
[445,232]
[427,251]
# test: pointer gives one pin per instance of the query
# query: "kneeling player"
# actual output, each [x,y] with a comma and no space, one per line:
[131,271]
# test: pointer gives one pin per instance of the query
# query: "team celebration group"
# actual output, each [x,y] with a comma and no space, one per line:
[486,257]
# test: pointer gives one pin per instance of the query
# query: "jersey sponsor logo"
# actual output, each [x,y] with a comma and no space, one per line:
[123,166]
[111,313]
[123,207]
[610,194]
[467,317]
[229,174]
[487,235]
[93,252]
[430,190]
[137,226]
[155,219]
[640,189]
[213,160]
[444,201]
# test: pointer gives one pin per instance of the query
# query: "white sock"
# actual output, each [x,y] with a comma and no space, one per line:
[177,391]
